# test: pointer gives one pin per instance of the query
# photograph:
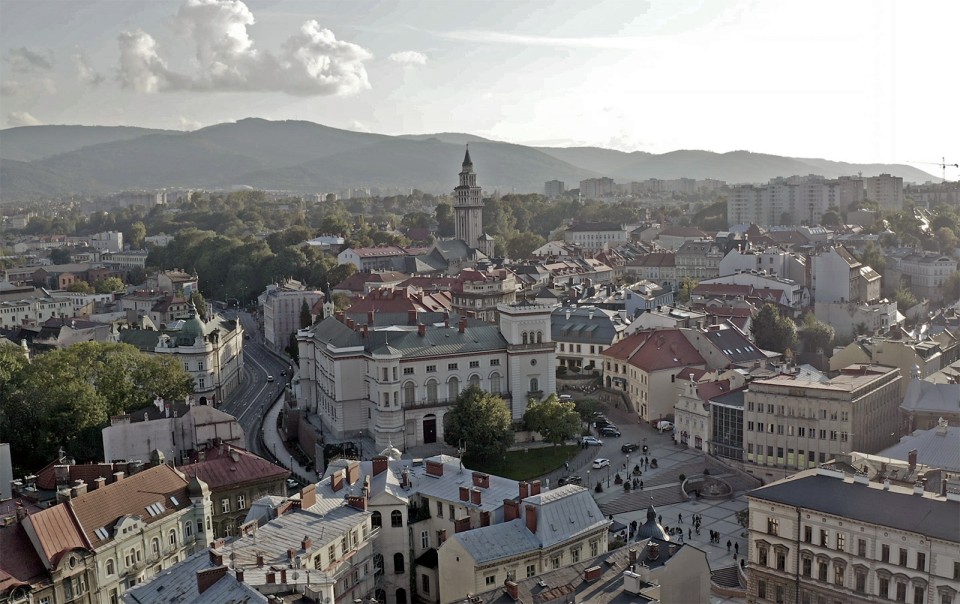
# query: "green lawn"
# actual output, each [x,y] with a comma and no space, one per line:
[523,466]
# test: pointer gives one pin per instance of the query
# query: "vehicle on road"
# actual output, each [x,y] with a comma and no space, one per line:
[610,431]
[569,480]
[629,447]
[591,441]
[601,462]
[602,423]
[664,426]
[270,378]
[565,398]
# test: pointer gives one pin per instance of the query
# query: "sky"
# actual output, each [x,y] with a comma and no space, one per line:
[857,80]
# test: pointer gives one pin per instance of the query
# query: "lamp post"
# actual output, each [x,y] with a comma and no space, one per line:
[589,484]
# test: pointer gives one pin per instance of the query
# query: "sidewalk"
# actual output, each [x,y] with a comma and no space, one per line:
[274,447]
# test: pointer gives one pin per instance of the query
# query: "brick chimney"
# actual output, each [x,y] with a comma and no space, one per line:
[475,496]
[463,324]
[380,465]
[481,480]
[524,490]
[531,517]
[912,459]
[461,525]
[358,502]
[291,554]
[117,476]
[535,488]
[79,488]
[305,543]
[511,510]
[434,468]
[340,315]
[592,574]
[485,518]
[98,482]
[350,323]
[308,496]
[632,552]
[271,578]
[512,590]
[216,558]
[421,330]
[208,577]
[259,560]
[283,576]
[336,480]
[464,494]
[441,537]
[364,332]
[353,472]
[411,317]
[239,573]
[371,316]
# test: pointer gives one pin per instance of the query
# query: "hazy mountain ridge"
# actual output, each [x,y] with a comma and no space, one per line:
[307,157]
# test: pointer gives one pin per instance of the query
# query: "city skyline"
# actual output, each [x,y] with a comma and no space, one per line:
[843,82]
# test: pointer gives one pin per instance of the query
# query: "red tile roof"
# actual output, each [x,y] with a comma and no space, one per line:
[655,259]
[232,466]
[401,301]
[57,531]
[47,477]
[656,350]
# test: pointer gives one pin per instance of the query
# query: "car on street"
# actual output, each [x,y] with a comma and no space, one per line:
[610,431]
[591,441]
[629,447]
[601,462]
[270,378]
[664,426]
[569,480]
[566,398]
[602,423]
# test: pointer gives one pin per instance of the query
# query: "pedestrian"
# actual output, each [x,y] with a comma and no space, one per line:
[641,485]
[566,466]
[736,547]
[689,533]
[729,545]
[659,519]
[680,518]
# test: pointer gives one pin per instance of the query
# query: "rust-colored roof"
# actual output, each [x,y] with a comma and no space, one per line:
[682,231]
[232,466]
[656,350]
[103,507]
[722,289]
[19,563]
[88,472]
[401,301]
[655,259]
[57,531]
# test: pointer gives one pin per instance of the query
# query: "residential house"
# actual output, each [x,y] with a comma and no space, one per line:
[839,277]
[922,273]
[926,403]
[672,238]
[281,305]
[479,293]
[592,236]
[914,358]
[200,578]
[582,333]
[698,259]
[658,267]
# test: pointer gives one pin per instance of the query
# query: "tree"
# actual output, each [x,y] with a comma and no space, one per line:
[444,216]
[60,255]
[556,421]
[340,273]
[521,245]
[905,299]
[136,234]
[80,286]
[481,422]
[951,288]
[873,257]
[815,335]
[771,331]
[687,285]
[108,285]
[201,305]
[830,218]
[306,318]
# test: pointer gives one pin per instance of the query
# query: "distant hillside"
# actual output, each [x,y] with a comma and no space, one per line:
[46,161]
[27,143]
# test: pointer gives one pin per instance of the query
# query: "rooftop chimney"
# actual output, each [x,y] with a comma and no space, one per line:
[308,496]
[461,524]
[421,330]
[475,496]
[918,488]
[464,494]
[524,490]
[208,577]
[912,458]
[434,468]
[336,480]
[592,574]
[370,317]
[380,465]
[531,517]
[463,324]
[99,481]
[511,510]
[353,472]
[364,332]
[633,555]
[535,487]
[239,573]
[259,559]
[653,551]
[485,518]
[216,558]
[411,317]
[481,480]
[117,476]
[512,590]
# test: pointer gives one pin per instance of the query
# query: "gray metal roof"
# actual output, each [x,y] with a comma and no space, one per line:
[438,340]
[936,447]
[178,585]
[897,508]
[498,541]
[585,324]
[922,395]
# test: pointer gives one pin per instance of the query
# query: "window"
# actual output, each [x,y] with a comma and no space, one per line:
[860,580]
[155,546]
[495,382]
[425,583]
[762,555]
[841,542]
[408,371]
[531,570]
[453,388]
[884,553]
[555,561]
[781,559]
[921,561]
[575,555]
[534,385]
[862,547]
[773,526]
[762,589]
[494,362]
[490,579]
[432,391]
[396,518]
[807,566]
[425,539]
[808,534]
[474,364]
[398,565]
[431,368]
[838,575]
[451,366]
[241,502]
[824,537]
[376,519]
[901,591]
[779,591]
[225,505]
[884,587]
[439,509]
[919,594]
[956,571]
[172,537]
[903,557]
[111,568]
[452,513]
[594,548]
[199,527]
[822,570]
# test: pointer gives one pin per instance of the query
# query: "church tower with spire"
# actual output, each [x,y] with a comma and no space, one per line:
[468,210]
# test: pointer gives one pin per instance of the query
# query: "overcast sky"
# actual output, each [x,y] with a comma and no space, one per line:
[864,81]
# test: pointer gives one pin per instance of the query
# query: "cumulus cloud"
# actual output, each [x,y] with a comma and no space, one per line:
[21,118]
[85,70]
[409,57]
[310,62]
[24,60]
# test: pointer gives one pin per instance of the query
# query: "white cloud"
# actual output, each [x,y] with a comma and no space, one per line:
[24,60]
[85,70]
[409,57]
[188,124]
[498,37]
[310,62]
[358,126]
[21,118]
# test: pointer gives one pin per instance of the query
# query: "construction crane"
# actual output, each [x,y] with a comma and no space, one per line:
[942,163]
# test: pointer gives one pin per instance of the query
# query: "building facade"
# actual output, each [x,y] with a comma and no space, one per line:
[468,210]
[592,236]
[281,305]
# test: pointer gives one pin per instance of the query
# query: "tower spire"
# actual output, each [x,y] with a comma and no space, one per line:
[466,158]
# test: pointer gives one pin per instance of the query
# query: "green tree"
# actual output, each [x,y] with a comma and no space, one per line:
[905,299]
[556,421]
[830,218]
[873,257]
[951,287]
[947,239]
[306,318]
[481,422]
[521,245]
[815,335]
[60,255]
[136,234]
[340,273]
[444,216]
[200,304]
[687,285]
[108,285]
[771,331]
[80,286]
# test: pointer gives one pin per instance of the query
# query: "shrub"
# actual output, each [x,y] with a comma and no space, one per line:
[683,477]
[598,488]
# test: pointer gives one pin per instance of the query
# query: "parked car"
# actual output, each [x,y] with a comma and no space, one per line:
[602,423]
[270,378]
[569,480]
[610,431]
[629,447]
[565,398]
[591,441]
[664,426]
[601,462]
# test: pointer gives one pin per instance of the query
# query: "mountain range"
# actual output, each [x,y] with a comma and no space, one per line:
[50,161]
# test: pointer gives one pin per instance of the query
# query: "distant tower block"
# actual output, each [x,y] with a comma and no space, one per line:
[468,209]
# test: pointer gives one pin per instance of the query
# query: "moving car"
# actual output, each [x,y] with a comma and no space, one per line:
[591,441]
[601,462]
[270,378]
[569,480]
[664,426]
[602,423]
[610,430]
[629,447]
[565,398]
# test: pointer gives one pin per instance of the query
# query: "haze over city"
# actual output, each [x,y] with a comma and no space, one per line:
[853,81]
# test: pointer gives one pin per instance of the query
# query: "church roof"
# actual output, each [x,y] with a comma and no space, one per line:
[466,157]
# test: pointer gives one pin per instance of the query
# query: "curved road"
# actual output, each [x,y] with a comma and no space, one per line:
[255,394]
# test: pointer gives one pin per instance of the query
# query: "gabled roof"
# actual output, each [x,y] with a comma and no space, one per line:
[19,563]
[57,532]
[680,231]
[656,350]
[594,226]
[178,585]
[228,466]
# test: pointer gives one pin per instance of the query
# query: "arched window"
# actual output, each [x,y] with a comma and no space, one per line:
[474,380]
[534,385]
[495,382]
[539,337]
[398,563]
[408,393]
[396,518]
[432,391]
[524,337]
[155,545]
[172,537]
[453,388]
[401,596]
[188,529]
[111,568]
[376,519]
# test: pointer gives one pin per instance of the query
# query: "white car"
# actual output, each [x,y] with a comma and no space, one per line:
[664,426]
[592,441]
[601,462]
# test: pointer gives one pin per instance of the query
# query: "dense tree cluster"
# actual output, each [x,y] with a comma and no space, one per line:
[772,331]
[481,423]
[63,398]
[556,421]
